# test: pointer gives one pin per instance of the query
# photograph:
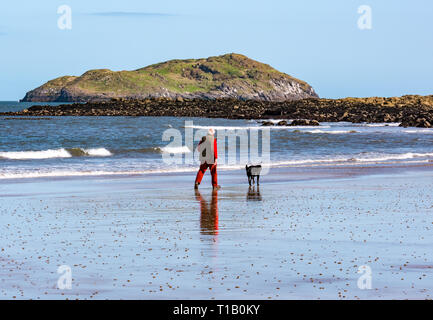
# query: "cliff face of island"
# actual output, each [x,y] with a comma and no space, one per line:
[231,76]
[411,111]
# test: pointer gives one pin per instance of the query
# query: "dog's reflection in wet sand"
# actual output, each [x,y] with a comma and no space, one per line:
[208,214]
[254,194]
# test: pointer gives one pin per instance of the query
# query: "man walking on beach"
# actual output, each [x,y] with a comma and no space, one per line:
[207,149]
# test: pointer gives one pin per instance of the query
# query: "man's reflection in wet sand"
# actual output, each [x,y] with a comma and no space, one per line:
[254,194]
[209,230]
[208,214]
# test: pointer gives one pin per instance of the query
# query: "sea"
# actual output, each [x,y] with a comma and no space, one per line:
[35,147]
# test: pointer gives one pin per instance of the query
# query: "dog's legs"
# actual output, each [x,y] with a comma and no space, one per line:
[254,180]
[258,178]
[249,180]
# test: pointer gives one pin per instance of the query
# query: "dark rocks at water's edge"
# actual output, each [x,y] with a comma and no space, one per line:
[267,124]
[409,110]
[417,122]
[304,122]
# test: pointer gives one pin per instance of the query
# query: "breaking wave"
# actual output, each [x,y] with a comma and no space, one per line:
[361,158]
[55,153]
[257,127]
[428,131]
[182,149]
[329,132]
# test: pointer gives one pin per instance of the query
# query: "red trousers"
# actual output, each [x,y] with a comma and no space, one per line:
[213,171]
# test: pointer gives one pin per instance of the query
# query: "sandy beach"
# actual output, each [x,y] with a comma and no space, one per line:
[302,235]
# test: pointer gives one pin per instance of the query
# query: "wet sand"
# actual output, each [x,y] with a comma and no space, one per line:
[301,235]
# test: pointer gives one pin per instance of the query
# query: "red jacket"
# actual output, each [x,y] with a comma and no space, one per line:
[215,149]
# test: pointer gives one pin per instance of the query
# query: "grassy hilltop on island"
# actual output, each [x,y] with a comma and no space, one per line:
[226,76]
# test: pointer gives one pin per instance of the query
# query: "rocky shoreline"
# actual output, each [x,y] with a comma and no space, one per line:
[411,111]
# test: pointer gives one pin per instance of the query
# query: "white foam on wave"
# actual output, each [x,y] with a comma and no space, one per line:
[331,131]
[226,127]
[303,127]
[181,149]
[305,161]
[45,154]
[98,152]
[368,157]
[51,153]
[385,124]
[419,131]
[386,157]
[363,158]
[258,127]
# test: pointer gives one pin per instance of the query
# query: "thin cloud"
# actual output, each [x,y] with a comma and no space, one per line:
[130,14]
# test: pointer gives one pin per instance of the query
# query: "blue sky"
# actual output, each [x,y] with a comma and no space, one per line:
[316,41]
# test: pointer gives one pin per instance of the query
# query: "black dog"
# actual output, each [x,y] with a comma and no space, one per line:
[252,172]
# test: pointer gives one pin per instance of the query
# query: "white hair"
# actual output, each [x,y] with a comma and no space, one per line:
[211,131]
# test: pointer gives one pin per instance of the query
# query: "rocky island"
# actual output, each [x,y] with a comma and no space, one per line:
[228,86]
[227,76]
